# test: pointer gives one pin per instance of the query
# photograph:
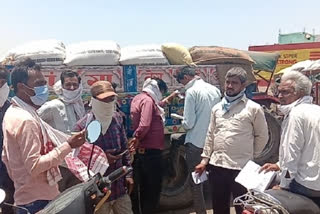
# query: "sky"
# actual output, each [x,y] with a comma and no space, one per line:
[234,24]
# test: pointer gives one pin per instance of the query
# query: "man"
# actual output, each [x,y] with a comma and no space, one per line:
[31,148]
[5,182]
[64,112]
[199,99]
[148,122]
[237,133]
[299,145]
[114,142]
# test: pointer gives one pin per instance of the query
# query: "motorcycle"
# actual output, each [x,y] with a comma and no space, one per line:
[277,202]
[83,198]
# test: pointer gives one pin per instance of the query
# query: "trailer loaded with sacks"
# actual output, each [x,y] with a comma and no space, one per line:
[128,67]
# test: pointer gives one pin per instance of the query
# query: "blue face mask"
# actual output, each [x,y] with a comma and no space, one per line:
[42,94]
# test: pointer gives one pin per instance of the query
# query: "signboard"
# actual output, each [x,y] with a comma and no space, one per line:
[290,57]
[167,73]
[290,54]
[88,74]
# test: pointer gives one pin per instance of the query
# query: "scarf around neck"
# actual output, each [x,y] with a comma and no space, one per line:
[76,102]
[76,161]
[286,109]
[150,86]
[227,101]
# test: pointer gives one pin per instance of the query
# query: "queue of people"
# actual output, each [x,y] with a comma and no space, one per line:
[222,135]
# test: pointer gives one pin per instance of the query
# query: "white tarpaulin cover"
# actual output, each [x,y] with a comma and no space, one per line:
[143,55]
[44,52]
[93,53]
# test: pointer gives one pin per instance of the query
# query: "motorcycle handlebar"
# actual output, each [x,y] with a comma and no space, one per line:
[115,175]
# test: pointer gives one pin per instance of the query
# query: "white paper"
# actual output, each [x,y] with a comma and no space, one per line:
[199,178]
[176,116]
[250,177]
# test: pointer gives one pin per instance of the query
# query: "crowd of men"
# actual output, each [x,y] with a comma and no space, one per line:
[222,134]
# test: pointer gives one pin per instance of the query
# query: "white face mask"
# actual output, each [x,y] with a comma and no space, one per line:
[103,112]
[70,95]
[4,93]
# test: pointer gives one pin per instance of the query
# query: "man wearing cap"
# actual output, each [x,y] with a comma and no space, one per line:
[113,141]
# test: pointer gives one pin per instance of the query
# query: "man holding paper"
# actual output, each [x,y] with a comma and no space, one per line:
[299,145]
[199,100]
[32,150]
[237,133]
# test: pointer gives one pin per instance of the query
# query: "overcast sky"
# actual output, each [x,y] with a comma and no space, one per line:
[236,24]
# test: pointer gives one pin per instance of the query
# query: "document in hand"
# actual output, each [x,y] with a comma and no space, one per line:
[199,178]
[250,178]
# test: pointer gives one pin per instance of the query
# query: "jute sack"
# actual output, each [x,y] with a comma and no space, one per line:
[211,55]
[177,54]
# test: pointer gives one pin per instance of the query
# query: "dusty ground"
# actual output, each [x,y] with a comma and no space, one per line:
[190,211]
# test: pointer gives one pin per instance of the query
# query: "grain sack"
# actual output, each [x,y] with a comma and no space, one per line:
[177,54]
[143,55]
[210,55]
[43,52]
[93,53]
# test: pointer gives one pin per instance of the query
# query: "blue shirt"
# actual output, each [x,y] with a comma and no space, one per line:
[199,100]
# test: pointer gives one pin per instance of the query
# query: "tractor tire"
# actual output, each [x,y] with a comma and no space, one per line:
[270,153]
[176,192]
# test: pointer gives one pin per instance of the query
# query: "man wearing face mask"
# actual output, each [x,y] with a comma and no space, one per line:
[299,144]
[199,100]
[5,182]
[63,113]
[148,120]
[237,133]
[113,141]
[32,149]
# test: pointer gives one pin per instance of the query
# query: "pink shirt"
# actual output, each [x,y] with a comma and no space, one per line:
[22,155]
[147,122]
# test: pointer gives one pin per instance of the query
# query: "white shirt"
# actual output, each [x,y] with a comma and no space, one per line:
[199,100]
[300,146]
[59,115]
[237,136]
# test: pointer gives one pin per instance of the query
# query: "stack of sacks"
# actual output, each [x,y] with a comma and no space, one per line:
[177,54]
[143,55]
[93,53]
[224,59]
[211,55]
[43,52]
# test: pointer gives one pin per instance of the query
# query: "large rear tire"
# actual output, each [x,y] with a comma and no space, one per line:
[270,153]
[176,191]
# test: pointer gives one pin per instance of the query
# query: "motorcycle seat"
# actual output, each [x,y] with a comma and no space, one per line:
[294,203]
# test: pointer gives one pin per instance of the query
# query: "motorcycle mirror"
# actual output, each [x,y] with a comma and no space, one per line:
[2,195]
[93,131]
